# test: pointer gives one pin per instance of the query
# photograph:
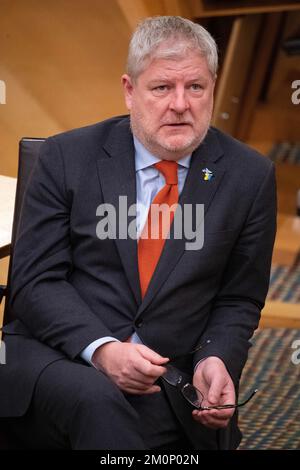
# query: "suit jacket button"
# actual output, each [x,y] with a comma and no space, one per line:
[139,324]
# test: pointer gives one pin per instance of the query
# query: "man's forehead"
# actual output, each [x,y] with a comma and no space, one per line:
[193,65]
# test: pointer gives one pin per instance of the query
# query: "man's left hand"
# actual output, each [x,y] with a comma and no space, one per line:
[213,380]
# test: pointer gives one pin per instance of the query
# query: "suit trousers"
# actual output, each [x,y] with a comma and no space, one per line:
[74,406]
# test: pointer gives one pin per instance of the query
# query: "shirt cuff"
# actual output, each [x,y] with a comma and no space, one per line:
[201,360]
[88,352]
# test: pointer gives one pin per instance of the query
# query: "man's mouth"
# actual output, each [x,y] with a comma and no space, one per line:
[177,124]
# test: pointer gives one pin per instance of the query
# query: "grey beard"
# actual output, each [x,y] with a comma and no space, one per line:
[156,148]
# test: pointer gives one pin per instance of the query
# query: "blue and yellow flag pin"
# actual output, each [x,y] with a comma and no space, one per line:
[208,175]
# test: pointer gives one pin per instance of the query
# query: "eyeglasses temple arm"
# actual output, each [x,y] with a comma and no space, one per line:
[249,398]
[224,407]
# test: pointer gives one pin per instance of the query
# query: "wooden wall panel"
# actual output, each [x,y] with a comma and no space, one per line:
[277,118]
[234,76]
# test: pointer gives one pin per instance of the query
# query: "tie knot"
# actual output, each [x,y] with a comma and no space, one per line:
[169,170]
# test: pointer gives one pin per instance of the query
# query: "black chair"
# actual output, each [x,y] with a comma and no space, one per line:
[28,152]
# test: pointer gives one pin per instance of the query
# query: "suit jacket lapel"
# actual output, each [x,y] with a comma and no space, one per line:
[116,169]
[196,191]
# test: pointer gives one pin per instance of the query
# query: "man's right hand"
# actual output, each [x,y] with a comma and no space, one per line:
[134,368]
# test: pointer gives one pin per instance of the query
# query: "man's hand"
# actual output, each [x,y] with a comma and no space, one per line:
[213,380]
[133,367]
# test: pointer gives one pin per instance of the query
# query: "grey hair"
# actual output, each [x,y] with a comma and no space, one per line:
[178,33]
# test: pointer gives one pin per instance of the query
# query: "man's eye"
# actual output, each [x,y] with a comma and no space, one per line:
[196,86]
[161,88]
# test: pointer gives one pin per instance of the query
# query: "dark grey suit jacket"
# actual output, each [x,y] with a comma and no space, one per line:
[70,288]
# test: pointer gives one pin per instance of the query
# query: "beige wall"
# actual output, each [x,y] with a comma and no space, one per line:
[61,61]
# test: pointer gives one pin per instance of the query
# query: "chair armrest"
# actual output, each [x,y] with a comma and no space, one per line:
[2,292]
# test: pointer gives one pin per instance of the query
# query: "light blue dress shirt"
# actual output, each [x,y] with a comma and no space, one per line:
[149,181]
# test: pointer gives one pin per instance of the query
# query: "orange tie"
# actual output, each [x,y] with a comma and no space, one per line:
[158,223]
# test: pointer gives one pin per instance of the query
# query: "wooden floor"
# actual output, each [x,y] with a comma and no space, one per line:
[280,315]
[287,244]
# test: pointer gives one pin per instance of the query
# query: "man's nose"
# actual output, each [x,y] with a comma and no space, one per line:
[179,101]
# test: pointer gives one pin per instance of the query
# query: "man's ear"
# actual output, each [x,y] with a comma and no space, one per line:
[128,89]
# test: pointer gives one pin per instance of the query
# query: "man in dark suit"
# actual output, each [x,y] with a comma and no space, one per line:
[101,311]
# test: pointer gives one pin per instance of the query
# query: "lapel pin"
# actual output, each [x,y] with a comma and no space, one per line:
[208,175]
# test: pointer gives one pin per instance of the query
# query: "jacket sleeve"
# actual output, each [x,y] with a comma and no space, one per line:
[236,310]
[41,296]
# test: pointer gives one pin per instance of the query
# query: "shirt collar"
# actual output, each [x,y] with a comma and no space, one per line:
[144,159]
